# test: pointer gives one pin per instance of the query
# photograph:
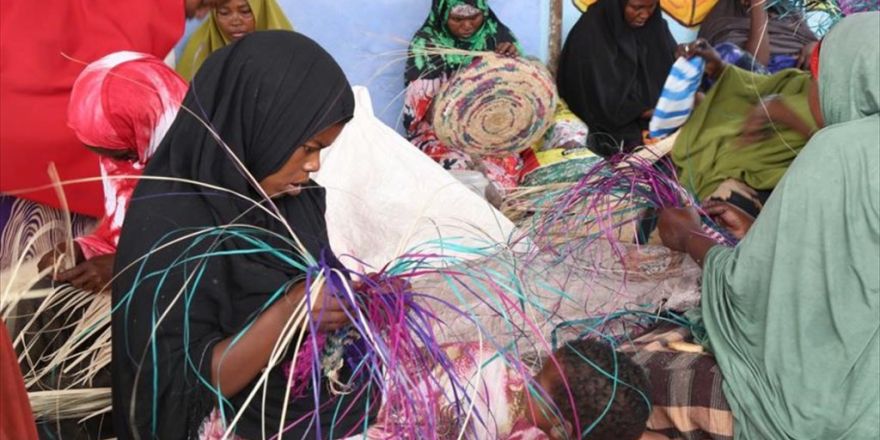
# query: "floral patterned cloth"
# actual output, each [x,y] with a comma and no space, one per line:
[495,390]
[506,171]
[503,171]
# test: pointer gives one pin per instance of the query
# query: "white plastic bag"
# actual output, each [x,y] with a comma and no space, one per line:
[384,196]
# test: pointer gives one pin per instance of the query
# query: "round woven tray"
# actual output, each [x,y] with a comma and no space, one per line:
[496,106]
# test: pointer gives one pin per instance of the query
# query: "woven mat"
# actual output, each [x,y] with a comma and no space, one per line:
[496,106]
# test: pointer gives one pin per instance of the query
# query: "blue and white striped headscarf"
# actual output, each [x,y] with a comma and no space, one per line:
[677,98]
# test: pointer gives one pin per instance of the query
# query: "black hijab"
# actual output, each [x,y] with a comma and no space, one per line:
[265,96]
[609,73]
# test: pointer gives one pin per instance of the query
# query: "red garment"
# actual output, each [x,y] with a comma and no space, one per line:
[37,79]
[16,419]
[124,101]
[814,61]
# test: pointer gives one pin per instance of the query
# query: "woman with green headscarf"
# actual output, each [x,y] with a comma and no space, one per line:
[437,51]
[744,134]
[228,22]
[791,312]
[466,25]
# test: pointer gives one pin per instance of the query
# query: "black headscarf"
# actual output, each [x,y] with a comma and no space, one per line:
[609,73]
[265,96]
[422,64]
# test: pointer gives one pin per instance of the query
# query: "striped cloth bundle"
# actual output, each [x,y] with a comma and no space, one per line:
[677,98]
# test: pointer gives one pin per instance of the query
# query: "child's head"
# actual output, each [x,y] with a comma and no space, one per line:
[591,390]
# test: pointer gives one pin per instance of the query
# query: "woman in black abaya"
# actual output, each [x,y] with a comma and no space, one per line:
[188,344]
[612,69]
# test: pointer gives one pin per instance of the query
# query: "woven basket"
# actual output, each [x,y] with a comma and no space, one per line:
[496,106]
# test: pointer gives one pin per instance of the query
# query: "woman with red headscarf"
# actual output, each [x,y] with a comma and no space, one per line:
[38,66]
[120,108]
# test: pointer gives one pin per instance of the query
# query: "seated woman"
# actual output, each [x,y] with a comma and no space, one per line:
[276,99]
[742,137]
[33,109]
[120,108]
[229,21]
[613,67]
[465,25]
[757,39]
[791,312]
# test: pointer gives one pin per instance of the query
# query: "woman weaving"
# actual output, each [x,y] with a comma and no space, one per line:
[745,133]
[120,108]
[436,52]
[791,312]
[276,99]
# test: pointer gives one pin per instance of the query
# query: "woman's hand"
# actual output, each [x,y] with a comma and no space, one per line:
[676,225]
[729,217]
[52,257]
[92,275]
[757,125]
[698,99]
[250,354]
[772,110]
[377,284]
[702,48]
[681,230]
[507,49]
[806,54]
[328,312]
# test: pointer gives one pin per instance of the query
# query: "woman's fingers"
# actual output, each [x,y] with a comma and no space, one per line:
[47,261]
[681,50]
[71,274]
[506,49]
[331,320]
[715,209]
[86,281]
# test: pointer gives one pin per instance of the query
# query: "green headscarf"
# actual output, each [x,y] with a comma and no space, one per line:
[208,37]
[707,151]
[434,33]
[792,312]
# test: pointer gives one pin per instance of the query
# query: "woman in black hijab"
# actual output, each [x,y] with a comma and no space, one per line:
[190,338]
[612,69]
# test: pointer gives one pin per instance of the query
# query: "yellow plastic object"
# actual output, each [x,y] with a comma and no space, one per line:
[689,13]
[582,5]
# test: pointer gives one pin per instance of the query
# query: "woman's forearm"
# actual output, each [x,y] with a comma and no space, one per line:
[758,43]
[234,366]
[698,245]
[781,113]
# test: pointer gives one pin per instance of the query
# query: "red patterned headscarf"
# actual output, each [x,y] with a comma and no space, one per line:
[123,101]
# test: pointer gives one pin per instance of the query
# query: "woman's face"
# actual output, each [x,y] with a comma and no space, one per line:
[235,19]
[290,178]
[637,12]
[464,27]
